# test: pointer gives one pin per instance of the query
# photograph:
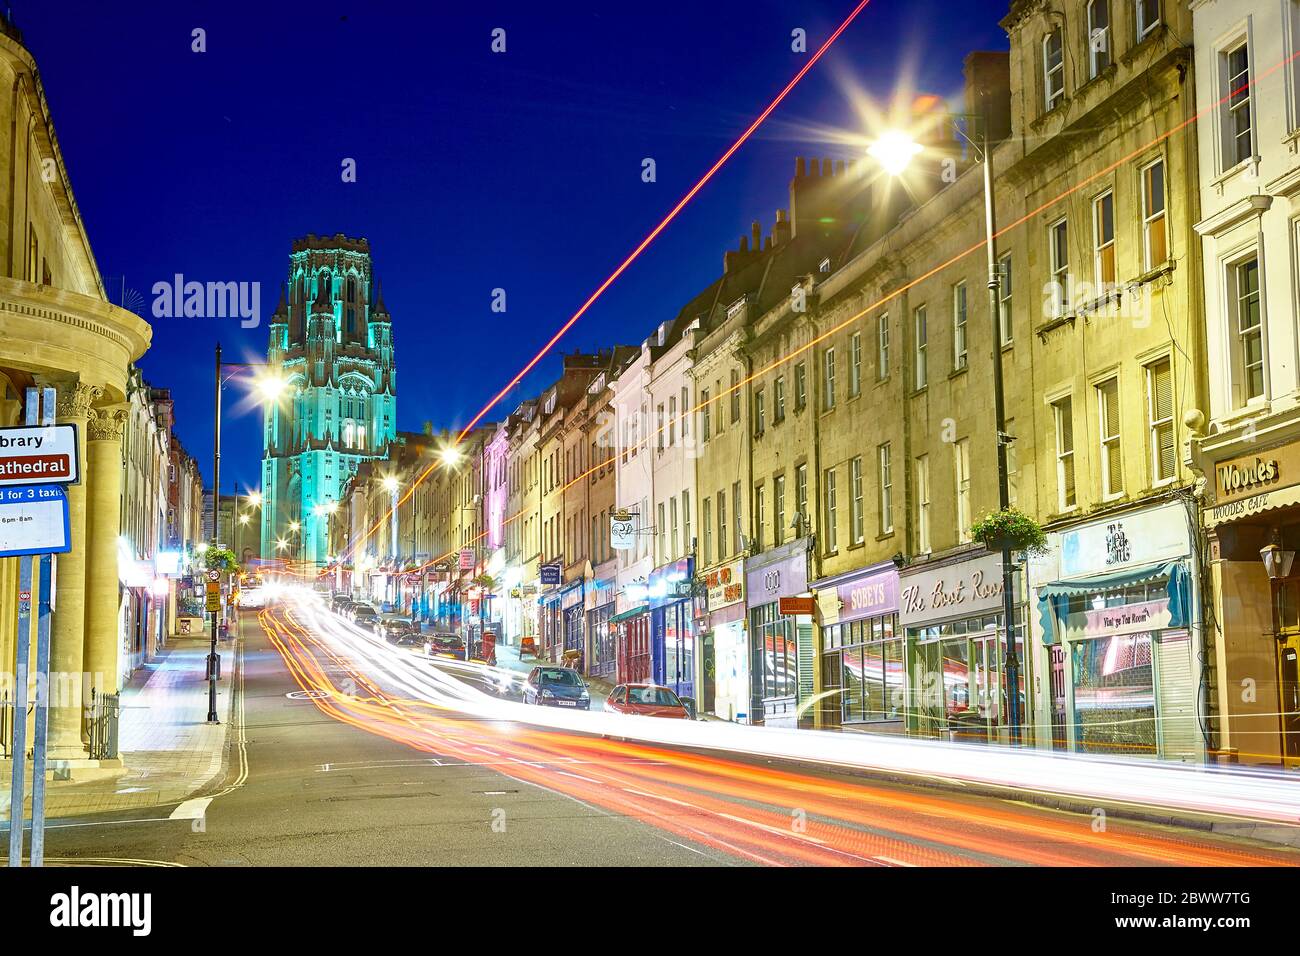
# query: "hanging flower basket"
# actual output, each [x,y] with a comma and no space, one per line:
[1010,530]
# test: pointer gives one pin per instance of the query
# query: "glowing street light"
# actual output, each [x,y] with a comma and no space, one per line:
[894,151]
[390,483]
[451,455]
[243,519]
[254,498]
[293,526]
[271,387]
[281,544]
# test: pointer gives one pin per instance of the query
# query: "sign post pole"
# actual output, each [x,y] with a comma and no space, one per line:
[17,797]
[41,730]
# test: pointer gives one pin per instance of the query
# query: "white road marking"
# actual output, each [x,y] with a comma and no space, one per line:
[191,809]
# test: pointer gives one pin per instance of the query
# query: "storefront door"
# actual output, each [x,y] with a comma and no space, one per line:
[1288,664]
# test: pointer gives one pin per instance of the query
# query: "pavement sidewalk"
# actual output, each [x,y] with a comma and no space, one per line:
[167,748]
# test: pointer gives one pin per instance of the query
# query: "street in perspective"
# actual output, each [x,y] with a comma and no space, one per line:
[831,434]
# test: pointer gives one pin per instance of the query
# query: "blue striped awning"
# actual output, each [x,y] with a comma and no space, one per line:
[1054,598]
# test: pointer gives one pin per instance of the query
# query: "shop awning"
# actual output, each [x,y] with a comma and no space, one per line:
[633,612]
[1054,599]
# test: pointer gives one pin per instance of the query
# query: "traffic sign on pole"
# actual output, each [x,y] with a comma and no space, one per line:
[39,455]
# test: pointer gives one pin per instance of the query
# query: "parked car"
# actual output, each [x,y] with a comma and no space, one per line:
[338,602]
[556,687]
[365,616]
[359,607]
[445,644]
[647,700]
[391,628]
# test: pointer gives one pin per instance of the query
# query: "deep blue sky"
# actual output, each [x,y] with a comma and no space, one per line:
[475,170]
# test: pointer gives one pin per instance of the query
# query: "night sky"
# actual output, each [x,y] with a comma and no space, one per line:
[475,170]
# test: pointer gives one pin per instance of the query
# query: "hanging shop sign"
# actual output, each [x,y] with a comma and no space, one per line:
[622,531]
[725,585]
[1128,618]
[796,606]
[34,521]
[550,575]
[955,590]
[467,559]
[39,455]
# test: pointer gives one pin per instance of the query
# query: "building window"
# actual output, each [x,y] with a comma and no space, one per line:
[857,521]
[1053,70]
[831,543]
[672,513]
[672,420]
[1063,412]
[737,518]
[800,386]
[1148,17]
[959,326]
[1154,238]
[922,372]
[882,347]
[1160,420]
[1059,257]
[717,407]
[855,364]
[1103,240]
[661,539]
[735,396]
[706,522]
[760,412]
[722,525]
[778,400]
[760,517]
[705,430]
[923,504]
[1248,323]
[828,380]
[778,503]
[1098,36]
[801,498]
[1112,465]
[961,474]
[1237,147]
[659,429]
[687,543]
[886,478]
[686,413]
[1004,298]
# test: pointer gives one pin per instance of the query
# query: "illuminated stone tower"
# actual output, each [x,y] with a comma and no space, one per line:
[332,342]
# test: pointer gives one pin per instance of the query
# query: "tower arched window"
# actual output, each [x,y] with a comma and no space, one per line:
[324,283]
[352,289]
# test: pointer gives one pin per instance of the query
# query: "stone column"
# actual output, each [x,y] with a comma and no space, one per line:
[67,634]
[103,482]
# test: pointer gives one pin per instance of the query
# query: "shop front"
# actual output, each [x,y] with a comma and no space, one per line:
[1254,534]
[781,647]
[723,671]
[861,650]
[602,657]
[571,612]
[551,618]
[954,649]
[632,635]
[672,626]
[1113,619]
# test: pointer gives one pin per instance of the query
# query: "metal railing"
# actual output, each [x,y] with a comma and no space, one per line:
[104,710]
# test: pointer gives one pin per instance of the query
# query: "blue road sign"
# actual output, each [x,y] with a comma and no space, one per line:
[34,520]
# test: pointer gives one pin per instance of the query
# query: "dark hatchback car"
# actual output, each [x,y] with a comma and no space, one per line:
[446,644]
[556,687]
[365,616]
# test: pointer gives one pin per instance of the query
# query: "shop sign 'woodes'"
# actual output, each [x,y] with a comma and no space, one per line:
[1254,483]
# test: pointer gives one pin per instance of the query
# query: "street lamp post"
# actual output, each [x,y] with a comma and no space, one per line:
[894,151]
[270,388]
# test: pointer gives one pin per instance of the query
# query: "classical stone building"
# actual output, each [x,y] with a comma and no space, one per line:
[58,329]
[332,343]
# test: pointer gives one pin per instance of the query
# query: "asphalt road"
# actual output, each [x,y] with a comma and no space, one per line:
[385,781]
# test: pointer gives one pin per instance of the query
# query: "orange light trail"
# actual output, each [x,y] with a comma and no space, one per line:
[742,809]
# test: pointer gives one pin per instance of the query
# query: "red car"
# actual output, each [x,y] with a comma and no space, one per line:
[646,700]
